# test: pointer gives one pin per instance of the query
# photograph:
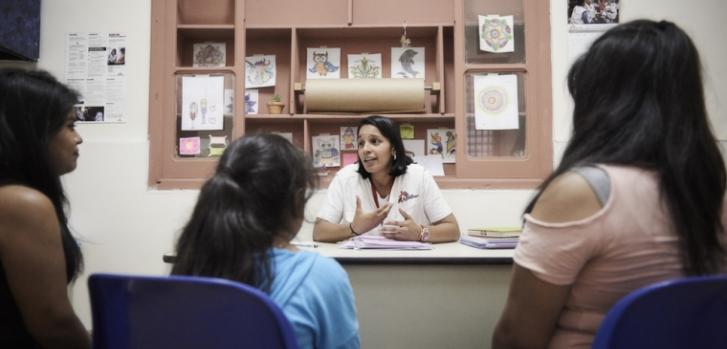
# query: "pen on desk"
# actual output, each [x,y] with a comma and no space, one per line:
[305,244]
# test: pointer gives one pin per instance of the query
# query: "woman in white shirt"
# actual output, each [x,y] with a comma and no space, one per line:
[384,192]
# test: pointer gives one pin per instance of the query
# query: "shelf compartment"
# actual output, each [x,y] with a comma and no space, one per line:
[188,36]
[205,12]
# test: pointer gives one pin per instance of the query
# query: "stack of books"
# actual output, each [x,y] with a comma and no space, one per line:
[492,237]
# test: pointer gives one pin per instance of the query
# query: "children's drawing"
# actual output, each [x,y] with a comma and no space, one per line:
[443,142]
[407,62]
[208,54]
[251,101]
[326,151]
[364,66]
[260,71]
[349,158]
[202,103]
[323,63]
[217,145]
[189,146]
[496,33]
[348,138]
[496,102]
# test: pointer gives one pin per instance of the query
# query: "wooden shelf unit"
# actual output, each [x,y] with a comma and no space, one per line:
[447,29]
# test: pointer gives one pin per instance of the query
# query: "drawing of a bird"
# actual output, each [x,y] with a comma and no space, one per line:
[407,62]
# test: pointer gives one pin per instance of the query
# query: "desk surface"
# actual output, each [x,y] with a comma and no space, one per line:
[444,253]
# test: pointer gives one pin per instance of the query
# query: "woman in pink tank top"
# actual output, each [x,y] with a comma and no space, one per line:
[640,119]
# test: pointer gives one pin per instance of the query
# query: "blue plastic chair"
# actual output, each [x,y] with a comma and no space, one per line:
[682,313]
[183,312]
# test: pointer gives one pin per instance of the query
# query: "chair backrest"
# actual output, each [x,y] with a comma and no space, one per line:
[683,313]
[183,312]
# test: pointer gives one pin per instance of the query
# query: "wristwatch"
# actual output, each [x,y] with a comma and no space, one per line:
[424,236]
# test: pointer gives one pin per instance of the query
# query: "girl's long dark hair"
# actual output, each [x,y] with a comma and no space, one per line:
[258,191]
[390,130]
[34,106]
[639,101]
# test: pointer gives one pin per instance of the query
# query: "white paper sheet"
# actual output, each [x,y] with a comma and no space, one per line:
[496,102]
[202,102]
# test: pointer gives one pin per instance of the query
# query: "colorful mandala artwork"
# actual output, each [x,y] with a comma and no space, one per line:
[492,100]
[496,32]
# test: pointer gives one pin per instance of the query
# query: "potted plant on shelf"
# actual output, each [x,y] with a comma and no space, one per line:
[275,106]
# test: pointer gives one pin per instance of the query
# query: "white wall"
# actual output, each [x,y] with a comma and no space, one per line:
[125,227]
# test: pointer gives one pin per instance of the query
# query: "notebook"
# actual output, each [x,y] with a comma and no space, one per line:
[489,243]
[495,231]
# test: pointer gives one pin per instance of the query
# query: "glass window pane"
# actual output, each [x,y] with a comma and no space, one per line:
[200,132]
[475,8]
[481,144]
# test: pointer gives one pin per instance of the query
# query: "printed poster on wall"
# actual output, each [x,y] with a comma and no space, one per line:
[496,102]
[95,66]
[202,102]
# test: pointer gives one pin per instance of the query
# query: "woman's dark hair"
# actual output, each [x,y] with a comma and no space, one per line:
[390,130]
[257,193]
[639,101]
[34,106]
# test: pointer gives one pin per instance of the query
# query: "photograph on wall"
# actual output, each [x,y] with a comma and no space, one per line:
[496,102]
[95,113]
[348,138]
[260,71]
[364,66]
[593,15]
[202,102]
[189,146]
[496,33]
[442,141]
[407,62]
[208,54]
[326,151]
[252,101]
[323,63]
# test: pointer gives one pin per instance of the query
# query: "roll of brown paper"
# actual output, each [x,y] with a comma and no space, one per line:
[365,95]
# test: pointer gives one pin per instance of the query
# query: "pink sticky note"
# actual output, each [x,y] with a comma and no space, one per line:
[189,146]
[349,158]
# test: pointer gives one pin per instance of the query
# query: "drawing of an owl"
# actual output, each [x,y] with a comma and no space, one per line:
[321,65]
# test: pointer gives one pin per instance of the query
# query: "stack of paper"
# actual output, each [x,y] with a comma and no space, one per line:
[488,242]
[379,242]
[501,232]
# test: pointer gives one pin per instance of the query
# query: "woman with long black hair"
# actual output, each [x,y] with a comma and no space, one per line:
[38,254]
[637,198]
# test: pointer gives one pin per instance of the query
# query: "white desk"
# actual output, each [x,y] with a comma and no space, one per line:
[447,297]
[444,253]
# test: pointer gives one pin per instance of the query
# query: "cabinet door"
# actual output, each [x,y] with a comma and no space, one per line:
[414,12]
[286,13]
[516,153]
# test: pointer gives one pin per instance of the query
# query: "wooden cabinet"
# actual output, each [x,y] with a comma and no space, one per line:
[447,29]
